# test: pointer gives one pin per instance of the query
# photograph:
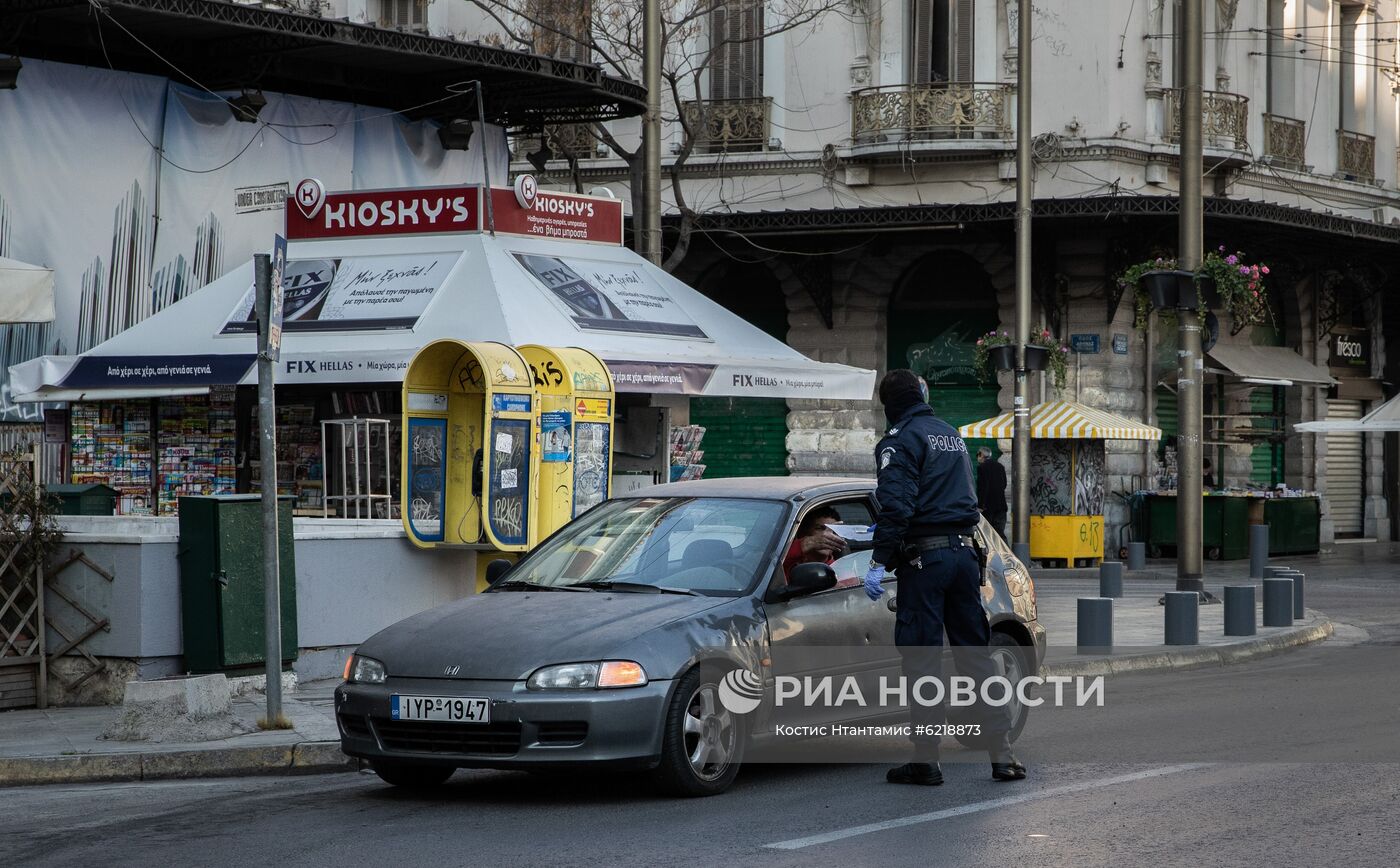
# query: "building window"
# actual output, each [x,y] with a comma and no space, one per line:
[736,44]
[942,47]
[563,29]
[1278,62]
[405,14]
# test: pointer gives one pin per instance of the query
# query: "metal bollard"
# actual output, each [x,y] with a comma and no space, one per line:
[1022,551]
[1110,579]
[1258,550]
[1275,572]
[1137,555]
[1095,627]
[1182,618]
[1240,619]
[1278,602]
[1299,582]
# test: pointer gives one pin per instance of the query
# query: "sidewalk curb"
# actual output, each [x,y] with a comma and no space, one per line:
[1194,657]
[303,758]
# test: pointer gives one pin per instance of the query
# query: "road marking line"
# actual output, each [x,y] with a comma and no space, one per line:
[853,831]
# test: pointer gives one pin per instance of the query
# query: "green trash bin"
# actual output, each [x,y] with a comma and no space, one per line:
[221,582]
[86,499]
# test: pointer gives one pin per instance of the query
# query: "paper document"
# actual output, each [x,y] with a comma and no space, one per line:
[852,532]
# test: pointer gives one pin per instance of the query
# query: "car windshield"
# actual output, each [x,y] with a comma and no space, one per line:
[711,546]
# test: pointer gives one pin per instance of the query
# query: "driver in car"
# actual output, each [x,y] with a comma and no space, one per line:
[815,542]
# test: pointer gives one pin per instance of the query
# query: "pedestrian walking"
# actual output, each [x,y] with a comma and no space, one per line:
[924,531]
[991,490]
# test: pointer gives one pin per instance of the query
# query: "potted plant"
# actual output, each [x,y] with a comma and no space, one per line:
[995,351]
[1051,355]
[1224,280]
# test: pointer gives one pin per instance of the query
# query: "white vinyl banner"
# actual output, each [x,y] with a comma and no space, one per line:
[84,191]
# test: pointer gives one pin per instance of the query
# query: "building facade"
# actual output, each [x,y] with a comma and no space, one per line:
[857,173]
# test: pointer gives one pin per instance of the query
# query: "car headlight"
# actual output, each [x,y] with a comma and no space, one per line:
[587,676]
[364,670]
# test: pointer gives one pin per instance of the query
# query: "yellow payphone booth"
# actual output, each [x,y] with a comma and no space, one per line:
[574,418]
[469,432]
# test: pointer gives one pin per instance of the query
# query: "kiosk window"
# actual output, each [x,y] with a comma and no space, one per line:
[427,459]
[510,479]
[590,465]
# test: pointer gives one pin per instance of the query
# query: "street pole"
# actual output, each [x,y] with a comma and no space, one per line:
[267,427]
[651,132]
[1021,433]
[1190,365]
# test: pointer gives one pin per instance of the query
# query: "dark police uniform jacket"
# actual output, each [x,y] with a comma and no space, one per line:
[925,483]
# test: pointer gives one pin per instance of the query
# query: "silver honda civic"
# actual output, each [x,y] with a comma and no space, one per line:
[607,645]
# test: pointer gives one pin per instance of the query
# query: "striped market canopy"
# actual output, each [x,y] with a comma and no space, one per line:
[1064,420]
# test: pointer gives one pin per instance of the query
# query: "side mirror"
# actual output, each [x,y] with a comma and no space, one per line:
[808,579]
[496,570]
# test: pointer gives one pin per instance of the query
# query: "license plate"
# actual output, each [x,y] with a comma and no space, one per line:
[452,709]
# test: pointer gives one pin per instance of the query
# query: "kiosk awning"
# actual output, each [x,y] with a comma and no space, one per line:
[26,292]
[359,308]
[1386,417]
[1268,366]
[1064,420]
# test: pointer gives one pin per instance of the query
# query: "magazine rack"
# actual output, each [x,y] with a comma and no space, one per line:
[358,449]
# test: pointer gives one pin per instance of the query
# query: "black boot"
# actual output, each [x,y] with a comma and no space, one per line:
[924,774]
[1005,766]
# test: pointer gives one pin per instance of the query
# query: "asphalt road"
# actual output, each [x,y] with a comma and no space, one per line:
[1137,792]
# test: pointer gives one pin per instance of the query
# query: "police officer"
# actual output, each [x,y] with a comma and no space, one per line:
[924,527]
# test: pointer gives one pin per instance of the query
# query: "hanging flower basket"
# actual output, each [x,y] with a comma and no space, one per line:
[1223,282]
[995,351]
[1003,358]
[1036,357]
[1163,288]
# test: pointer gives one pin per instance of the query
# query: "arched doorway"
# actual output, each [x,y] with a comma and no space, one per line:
[941,305]
[745,436]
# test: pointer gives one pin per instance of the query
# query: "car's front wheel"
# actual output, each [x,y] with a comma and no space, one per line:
[703,741]
[411,775]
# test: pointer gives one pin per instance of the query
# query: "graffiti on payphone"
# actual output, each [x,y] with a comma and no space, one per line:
[590,465]
[510,480]
[427,450]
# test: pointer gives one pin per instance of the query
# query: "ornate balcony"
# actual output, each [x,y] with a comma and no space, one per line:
[563,140]
[1224,119]
[923,112]
[728,125]
[1356,156]
[1285,140]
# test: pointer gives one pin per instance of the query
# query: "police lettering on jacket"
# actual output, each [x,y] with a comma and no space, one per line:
[925,481]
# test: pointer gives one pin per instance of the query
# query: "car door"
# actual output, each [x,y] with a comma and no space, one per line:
[837,632]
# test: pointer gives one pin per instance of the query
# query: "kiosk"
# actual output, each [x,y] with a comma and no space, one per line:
[1067,475]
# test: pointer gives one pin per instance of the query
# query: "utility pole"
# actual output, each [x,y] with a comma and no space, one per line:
[651,133]
[268,340]
[1190,365]
[1021,433]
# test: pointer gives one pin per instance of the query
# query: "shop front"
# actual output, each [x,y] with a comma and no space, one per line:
[167,408]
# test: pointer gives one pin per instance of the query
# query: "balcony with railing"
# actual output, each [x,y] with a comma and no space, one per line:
[728,125]
[1356,156]
[931,112]
[1224,119]
[1285,141]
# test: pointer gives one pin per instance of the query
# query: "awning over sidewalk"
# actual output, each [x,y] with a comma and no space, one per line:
[1267,366]
[1064,420]
[1386,417]
[26,292]
[358,309]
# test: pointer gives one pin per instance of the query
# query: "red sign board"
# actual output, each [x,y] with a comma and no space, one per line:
[561,216]
[313,213]
[383,212]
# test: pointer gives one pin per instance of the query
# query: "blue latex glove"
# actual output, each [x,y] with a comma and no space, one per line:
[873,589]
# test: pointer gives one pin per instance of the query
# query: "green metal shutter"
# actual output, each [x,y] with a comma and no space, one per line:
[1264,456]
[1166,411]
[743,436]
